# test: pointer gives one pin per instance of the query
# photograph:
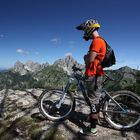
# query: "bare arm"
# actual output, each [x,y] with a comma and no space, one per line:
[89,58]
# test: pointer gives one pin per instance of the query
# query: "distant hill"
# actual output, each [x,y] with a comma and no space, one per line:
[29,67]
[67,63]
[34,75]
[124,78]
[2,70]
[33,67]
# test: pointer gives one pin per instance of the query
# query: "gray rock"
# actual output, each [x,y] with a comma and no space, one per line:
[19,67]
[67,64]
[29,66]
[24,103]
[32,67]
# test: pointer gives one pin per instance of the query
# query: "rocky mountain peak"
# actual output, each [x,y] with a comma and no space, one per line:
[19,67]
[32,66]
[127,69]
[67,63]
[69,58]
[29,66]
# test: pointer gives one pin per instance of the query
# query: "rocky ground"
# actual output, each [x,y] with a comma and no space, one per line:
[20,119]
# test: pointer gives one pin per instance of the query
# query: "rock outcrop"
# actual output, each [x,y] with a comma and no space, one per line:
[19,67]
[29,66]
[67,64]
[21,120]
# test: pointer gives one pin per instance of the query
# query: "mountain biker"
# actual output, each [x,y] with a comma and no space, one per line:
[94,70]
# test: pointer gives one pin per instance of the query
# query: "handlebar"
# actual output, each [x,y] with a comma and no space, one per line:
[74,68]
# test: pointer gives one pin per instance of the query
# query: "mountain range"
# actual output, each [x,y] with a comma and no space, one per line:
[21,86]
[35,75]
[33,67]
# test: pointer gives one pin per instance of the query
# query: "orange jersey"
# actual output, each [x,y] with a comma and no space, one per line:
[98,45]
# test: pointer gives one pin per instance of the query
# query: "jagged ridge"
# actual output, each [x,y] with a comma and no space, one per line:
[35,75]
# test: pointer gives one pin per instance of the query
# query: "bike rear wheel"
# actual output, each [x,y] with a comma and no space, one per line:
[127,117]
[48,102]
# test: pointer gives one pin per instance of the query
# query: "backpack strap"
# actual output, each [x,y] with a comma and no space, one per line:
[100,61]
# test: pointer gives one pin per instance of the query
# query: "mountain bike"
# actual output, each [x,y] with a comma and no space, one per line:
[121,109]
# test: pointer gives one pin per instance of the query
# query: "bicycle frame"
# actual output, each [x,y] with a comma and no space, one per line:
[65,92]
[106,93]
[82,88]
[119,113]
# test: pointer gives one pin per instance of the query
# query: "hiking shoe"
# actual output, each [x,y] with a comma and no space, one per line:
[89,131]
[93,130]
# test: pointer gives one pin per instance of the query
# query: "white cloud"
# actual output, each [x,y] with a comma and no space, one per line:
[21,51]
[68,54]
[56,40]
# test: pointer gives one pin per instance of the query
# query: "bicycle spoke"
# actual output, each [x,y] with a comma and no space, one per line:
[53,107]
[127,117]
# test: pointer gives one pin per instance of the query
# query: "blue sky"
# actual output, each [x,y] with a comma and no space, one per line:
[44,30]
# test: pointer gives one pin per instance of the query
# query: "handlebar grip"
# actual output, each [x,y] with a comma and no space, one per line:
[74,68]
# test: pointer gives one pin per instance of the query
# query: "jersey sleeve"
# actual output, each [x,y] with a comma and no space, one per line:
[96,45]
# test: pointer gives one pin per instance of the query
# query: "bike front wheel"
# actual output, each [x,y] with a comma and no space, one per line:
[126,113]
[51,108]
